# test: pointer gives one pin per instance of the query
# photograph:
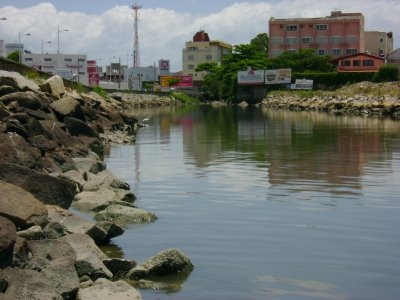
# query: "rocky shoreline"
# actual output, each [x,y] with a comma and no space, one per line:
[364,98]
[52,145]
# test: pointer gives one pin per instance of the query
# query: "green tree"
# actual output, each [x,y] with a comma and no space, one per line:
[386,73]
[261,42]
[305,60]
[14,56]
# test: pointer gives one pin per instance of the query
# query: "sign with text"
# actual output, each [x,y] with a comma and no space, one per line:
[176,81]
[278,76]
[302,84]
[251,76]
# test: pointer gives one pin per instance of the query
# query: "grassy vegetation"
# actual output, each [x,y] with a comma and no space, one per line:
[362,88]
[185,98]
[100,91]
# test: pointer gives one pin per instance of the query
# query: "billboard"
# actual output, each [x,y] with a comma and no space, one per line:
[251,76]
[302,84]
[278,76]
[182,81]
[164,67]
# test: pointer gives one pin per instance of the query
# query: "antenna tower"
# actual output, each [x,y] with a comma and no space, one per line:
[136,57]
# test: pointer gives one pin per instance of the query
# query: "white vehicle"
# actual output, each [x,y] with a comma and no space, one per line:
[65,73]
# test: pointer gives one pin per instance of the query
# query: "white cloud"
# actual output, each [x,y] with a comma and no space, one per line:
[163,33]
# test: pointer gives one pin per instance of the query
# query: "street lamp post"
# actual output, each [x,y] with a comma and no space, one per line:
[19,44]
[58,38]
[43,42]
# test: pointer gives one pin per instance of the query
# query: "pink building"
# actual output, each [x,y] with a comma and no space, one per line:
[335,35]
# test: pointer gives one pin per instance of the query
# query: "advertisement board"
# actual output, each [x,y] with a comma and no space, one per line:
[164,67]
[302,84]
[181,81]
[278,76]
[251,76]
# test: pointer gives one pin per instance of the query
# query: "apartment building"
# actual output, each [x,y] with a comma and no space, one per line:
[378,43]
[335,35]
[202,50]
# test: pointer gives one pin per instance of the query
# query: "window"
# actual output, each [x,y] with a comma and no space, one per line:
[67,59]
[351,51]
[81,59]
[276,40]
[191,67]
[368,62]
[291,40]
[293,51]
[208,57]
[48,59]
[291,28]
[357,63]
[28,59]
[276,52]
[336,39]
[321,27]
[336,52]
[351,39]
[192,48]
[345,63]
[306,40]
[190,57]
[321,52]
[321,39]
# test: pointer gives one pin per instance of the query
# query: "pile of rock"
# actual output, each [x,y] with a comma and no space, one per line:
[360,99]
[51,158]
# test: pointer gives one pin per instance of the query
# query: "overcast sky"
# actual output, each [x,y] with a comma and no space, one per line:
[104,29]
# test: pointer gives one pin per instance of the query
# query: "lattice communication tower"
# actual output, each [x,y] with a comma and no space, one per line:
[136,56]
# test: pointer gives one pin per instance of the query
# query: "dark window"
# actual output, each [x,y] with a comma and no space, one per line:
[345,63]
[357,63]
[368,62]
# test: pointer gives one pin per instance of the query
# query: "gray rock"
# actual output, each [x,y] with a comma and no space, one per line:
[56,260]
[89,257]
[7,241]
[54,86]
[167,262]
[67,107]
[27,284]
[45,188]
[75,224]
[119,267]
[103,289]
[21,207]
[17,81]
[32,233]
[54,230]
[124,215]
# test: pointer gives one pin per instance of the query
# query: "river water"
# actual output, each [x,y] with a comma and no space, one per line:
[267,204]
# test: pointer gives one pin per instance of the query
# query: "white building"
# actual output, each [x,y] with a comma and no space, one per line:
[59,63]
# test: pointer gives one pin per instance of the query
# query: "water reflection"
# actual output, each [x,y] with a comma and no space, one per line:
[293,147]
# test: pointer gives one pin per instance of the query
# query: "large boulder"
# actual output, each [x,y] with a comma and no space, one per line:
[56,260]
[104,289]
[15,149]
[29,100]
[125,215]
[26,284]
[21,207]
[46,188]
[7,241]
[54,86]
[90,258]
[167,262]
[75,224]
[67,107]
[17,81]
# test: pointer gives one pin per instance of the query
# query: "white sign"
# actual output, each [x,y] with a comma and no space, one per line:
[278,76]
[251,76]
[303,84]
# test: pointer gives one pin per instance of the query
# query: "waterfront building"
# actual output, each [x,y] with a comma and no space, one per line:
[202,50]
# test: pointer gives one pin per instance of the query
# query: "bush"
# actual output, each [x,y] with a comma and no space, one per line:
[386,73]
[100,91]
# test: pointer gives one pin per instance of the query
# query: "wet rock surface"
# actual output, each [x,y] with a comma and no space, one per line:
[52,145]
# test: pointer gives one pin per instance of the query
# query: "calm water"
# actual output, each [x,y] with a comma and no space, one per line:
[267,204]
